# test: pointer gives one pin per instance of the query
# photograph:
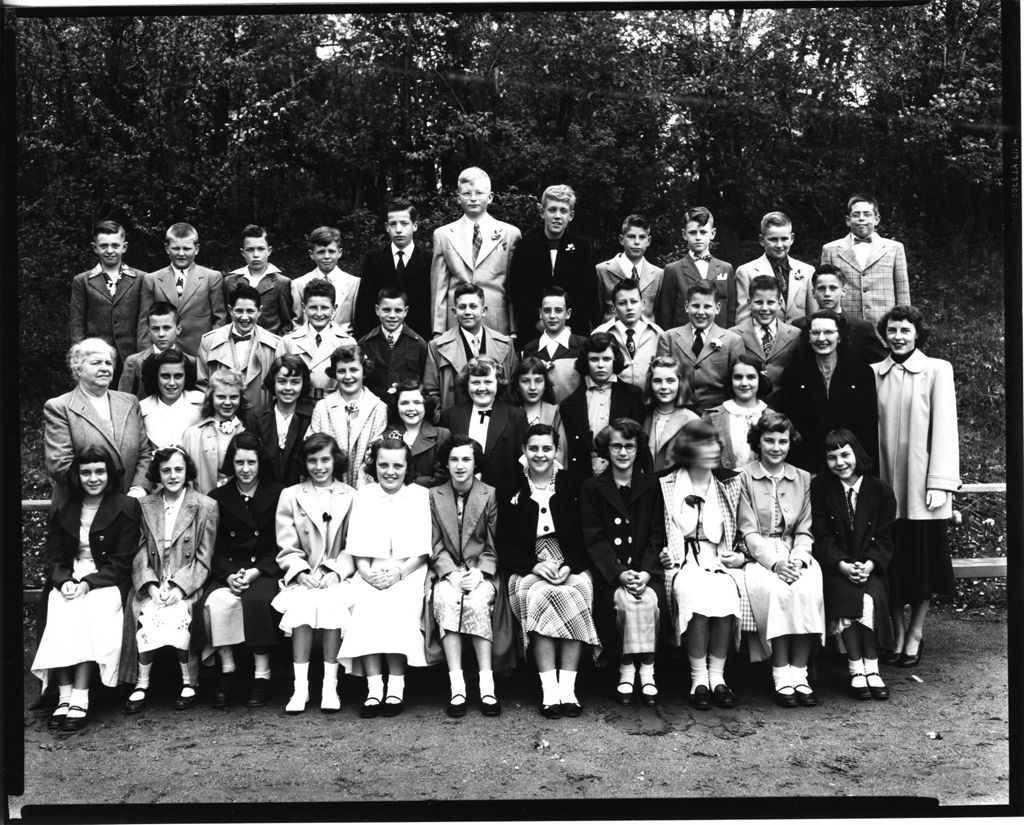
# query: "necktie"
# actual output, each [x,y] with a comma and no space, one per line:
[318,339]
[850,506]
[635,274]
[400,266]
[484,415]
[766,340]
[630,343]
[477,242]
[698,342]
[111,284]
[179,282]
[783,281]
[391,340]
[474,345]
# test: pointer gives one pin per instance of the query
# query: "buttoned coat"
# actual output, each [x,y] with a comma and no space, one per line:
[649,276]
[452,264]
[302,342]
[447,356]
[70,422]
[308,543]
[799,300]
[426,447]
[131,375]
[708,372]
[784,347]
[505,434]
[679,418]
[862,340]
[355,436]
[919,445]
[878,286]
[626,402]
[379,272]
[200,307]
[405,361]
[680,276]
[215,352]
[281,465]
[645,348]
[754,513]
[95,314]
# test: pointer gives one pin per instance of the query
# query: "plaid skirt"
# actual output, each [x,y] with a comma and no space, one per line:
[558,611]
[638,620]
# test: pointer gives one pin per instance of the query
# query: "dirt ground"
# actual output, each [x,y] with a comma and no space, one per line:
[945,737]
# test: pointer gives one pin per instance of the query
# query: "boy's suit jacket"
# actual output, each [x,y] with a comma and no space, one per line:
[283,466]
[473,546]
[864,343]
[379,272]
[275,291]
[200,308]
[504,444]
[345,288]
[880,285]
[94,314]
[446,356]
[301,341]
[574,271]
[609,273]
[646,347]
[131,377]
[452,264]
[627,402]
[799,301]
[561,365]
[406,360]
[785,345]
[708,372]
[680,276]
[215,352]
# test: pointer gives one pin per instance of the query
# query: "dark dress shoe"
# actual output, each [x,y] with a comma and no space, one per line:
[701,698]
[56,721]
[911,661]
[222,697]
[880,693]
[456,710]
[259,693]
[785,700]
[75,722]
[806,700]
[186,702]
[890,657]
[626,699]
[370,709]
[490,708]
[136,705]
[571,709]
[392,708]
[859,692]
[723,697]
[648,700]
[551,711]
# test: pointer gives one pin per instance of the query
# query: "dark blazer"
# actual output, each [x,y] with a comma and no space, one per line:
[575,271]
[680,276]
[474,546]
[94,314]
[504,444]
[562,367]
[517,525]
[275,291]
[113,542]
[379,272]
[405,361]
[243,539]
[870,537]
[425,449]
[283,466]
[863,343]
[627,402]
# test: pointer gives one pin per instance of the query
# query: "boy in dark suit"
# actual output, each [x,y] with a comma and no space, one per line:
[765,336]
[398,353]
[695,266]
[557,347]
[829,285]
[274,288]
[400,265]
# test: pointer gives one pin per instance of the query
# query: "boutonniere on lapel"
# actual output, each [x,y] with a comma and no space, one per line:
[228,427]
[496,235]
[352,408]
[798,276]
[515,500]
[549,365]
[570,247]
[716,343]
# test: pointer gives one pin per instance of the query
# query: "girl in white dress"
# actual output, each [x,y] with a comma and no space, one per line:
[169,406]
[207,442]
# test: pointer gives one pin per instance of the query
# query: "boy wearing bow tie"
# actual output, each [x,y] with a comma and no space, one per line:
[397,352]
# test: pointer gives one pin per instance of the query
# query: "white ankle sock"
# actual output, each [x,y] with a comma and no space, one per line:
[143,680]
[856,666]
[549,687]
[627,675]
[262,667]
[64,694]
[79,699]
[487,683]
[375,687]
[567,687]
[301,670]
[698,672]
[870,665]
[458,684]
[186,680]
[799,675]
[227,659]
[782,677]
[331,672]
[716,671]
[647,679]
[396,686]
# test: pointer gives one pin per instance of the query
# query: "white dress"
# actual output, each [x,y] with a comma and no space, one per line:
[166,423]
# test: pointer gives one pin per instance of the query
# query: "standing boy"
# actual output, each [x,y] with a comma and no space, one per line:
[318,337]
[557,347]
[397,352]
[705,350]
[197,293]
[632,265]
[696,266]
[324,244]
[875,267]
[792,276]
[829,284]
[400,265]
[551,255]
[636,338]
[164,329]
[274,288]
[476,249]
[451,351]
[764,336]
[105,299]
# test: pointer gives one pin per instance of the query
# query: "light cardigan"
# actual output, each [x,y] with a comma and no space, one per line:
[390,525]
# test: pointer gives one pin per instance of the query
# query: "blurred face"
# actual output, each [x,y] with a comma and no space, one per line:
[226,401]
[701,310]
[349,375]
[824,336]
[256,252]
[287,387]
[707,454]
[320,467]
[698,238]
[635,241]
[774,448]
[163,331]
[628,307]
[391,312]
[96,370]
[556,215]
[540,454]
[621,451]
[411,408]
[601,365]
[531,387]
[325,256]
[182,251]
[665,386]
[93,478]
[469,312]
[391,466]
[554,314]
[828,292]
[474,197]
[483,389]
[319,310]
[461,465]
[247,467]
[110,248]
[744,382]
[764,306]
[843,463]
[400,228]
[170,382]
[776,242]
[243,315]
[172,473]
[862,219]
[901,336]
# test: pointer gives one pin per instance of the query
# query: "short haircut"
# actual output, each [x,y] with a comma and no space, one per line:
[702,287]
[559,192]
[841,437]
[402,205]
[461,440]
[530,365]
[638,221]
[224,377]
[540,429]
[162,455]
[862,197]
[599,342]
[392,293]
[94,454]
[242,441]
[388,442]
[699,214]
[163,308]
[323,236]
[347,353]
[764,283]
[83,349]
[775,219]
[625,285]
[181,231]
[555,291]
[906,312]
[292,365]
[684,445]
[764,384]
[828,269]
[685,396]
[243,292]
[468,289]
[771,422]
[314,444]
[483,365]
[408,385]
[472,174]
[629,429]
[107,228]
[151,370]
[254,231]
[829,315]
[319,288]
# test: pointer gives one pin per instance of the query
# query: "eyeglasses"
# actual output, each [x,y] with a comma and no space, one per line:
[622,448]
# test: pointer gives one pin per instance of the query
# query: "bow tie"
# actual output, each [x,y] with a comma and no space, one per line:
[484,414]
[236,337]
[599,388]
[705,257]
[861,240]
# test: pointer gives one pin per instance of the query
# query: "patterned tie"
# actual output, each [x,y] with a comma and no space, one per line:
[477,242]
[783,282]
[400,266]
[851,508]
[111,284]
[698,342]
[767,340]
[318,339]
[179,282]
[391,340]
[635,274]
[630,343]
[474,345]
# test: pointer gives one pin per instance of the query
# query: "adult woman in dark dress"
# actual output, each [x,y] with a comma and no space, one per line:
[282,425]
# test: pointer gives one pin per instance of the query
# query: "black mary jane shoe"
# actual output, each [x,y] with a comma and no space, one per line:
[56,720]
[571,710]
[808,699]
[785,700]
[860,693]
[456,710]
[551,711]
[136,705]
[723,697]
[259,693]
[392,708]
[649,700]
[72,723]
[625,699]
[185,702]
[370,709]
[700,698]
[225,687]
[490,708]
[880,693]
